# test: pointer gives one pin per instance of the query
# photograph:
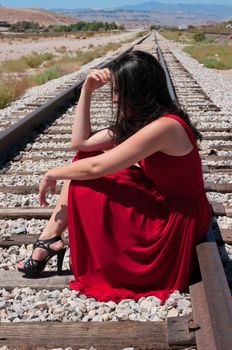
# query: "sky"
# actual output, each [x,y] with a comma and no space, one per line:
[48,4]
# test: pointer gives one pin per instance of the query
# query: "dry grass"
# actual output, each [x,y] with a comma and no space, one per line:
[13,88]
[178,36]
[212,56]
[25,62]
[70,63]
[36,36]
[53,67]
[62,49]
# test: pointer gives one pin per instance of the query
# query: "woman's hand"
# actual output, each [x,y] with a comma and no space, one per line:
[46,184]
[96,79]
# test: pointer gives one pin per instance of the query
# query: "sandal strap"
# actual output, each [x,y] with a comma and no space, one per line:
[33,267]
[51,240]
[41,244]
[31,263]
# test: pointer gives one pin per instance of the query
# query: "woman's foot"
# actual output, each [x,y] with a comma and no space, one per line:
[44,250]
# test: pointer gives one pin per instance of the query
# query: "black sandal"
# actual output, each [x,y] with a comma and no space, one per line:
[34,267]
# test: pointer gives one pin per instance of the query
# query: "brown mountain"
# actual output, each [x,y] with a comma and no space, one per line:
[44,18]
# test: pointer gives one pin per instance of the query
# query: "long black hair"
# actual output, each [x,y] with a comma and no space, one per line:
[139,82]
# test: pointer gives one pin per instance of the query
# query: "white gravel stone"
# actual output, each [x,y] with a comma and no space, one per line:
[172,313]
[225,198]
[26,304]
[218,178]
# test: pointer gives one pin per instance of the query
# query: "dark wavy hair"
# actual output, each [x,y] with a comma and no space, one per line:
[140,84]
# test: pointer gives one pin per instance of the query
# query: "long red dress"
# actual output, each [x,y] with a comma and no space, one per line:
[134,233]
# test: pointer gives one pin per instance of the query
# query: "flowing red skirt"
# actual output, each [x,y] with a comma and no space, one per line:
[127,241]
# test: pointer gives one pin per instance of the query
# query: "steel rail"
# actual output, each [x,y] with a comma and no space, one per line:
[171,88]
[215,316]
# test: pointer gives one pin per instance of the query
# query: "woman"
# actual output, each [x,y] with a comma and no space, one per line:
[132,229]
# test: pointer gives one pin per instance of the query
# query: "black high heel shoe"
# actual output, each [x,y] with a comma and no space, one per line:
[33,267]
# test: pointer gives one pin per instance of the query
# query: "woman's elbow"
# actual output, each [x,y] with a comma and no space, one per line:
[73,147]
[77,146]
[96,170]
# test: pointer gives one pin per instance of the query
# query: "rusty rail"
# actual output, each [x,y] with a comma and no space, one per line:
[211,302]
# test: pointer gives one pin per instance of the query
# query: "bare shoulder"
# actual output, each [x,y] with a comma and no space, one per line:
[168,125]
[162,126]
[177,141]
[167,122]
[153,137]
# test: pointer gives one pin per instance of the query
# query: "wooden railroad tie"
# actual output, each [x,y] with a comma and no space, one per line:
[18,240]
[209,186]
[45,213]
[103,336]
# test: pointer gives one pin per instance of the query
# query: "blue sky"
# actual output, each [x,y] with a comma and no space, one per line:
[96,3]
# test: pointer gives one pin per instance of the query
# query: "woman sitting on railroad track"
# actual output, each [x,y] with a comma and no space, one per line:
[136,212]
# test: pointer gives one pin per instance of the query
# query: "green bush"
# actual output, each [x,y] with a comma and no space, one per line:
[86,26]
[23,26]
[199,36]
[154,27]
[49,74]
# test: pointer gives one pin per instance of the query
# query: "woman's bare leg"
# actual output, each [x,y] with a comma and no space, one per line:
[57,223]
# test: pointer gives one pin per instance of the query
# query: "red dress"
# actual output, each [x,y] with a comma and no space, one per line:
[134,233]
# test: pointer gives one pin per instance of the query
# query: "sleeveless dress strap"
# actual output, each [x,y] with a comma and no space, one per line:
[185,126]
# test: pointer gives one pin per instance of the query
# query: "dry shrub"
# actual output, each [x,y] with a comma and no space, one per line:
[32,61]
[70,68]
[12,88]
[21,85]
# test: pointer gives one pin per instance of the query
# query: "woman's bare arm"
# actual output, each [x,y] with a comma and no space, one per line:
[98,141]
[152,138]
[81,129]
[82,137]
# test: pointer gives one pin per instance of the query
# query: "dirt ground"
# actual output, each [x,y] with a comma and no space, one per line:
[225,72]
[14,49]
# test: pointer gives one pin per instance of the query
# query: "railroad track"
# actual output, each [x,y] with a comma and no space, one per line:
[48,146]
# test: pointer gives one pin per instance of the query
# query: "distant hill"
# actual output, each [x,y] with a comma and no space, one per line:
[44,18]
[215,10]
[151,12]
